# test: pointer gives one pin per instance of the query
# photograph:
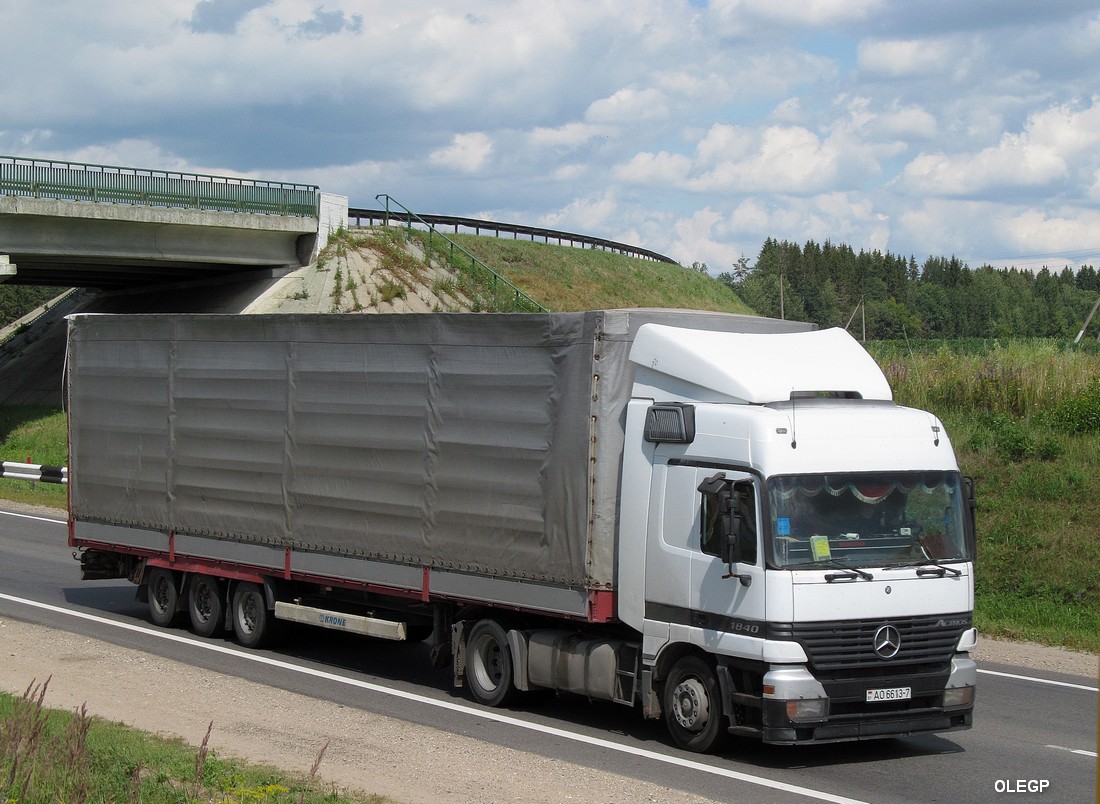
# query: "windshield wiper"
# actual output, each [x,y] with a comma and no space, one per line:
[849,573]
[928,567]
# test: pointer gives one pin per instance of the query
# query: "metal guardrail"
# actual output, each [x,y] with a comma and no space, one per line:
[515,229]
[108,184]
[33,471]
[520,300]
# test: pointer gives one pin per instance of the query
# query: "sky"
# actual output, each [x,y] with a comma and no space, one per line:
[693,128]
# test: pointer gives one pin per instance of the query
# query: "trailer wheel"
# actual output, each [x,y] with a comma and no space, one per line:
[253,624]
[489,664]
[205,605]
[693,706]
[163,597]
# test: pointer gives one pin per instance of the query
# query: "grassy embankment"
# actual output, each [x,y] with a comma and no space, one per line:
[563,278]
[51,755]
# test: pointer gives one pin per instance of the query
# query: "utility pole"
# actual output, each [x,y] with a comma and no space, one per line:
[1084,326]
[859,306]
[782,278]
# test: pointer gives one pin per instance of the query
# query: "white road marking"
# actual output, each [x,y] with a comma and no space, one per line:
[1041,681]
[38,518]
[1080,751]
[454,707]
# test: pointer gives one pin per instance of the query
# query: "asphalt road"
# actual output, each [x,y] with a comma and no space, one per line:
[1032,728]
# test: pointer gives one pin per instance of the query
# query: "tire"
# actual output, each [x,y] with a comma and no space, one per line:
[205,605]
[164,597]
[253,624]
[489,673]
[694,713]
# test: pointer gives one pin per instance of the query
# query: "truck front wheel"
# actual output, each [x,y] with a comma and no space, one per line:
[489,664]
[253,624]
[163,597]
[693,706]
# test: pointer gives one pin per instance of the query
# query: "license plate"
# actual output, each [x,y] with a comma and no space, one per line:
[890,694]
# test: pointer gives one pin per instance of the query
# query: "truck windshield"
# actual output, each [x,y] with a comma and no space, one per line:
[867,520]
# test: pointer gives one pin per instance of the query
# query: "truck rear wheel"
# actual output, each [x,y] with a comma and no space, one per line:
[163,597]
[205,605]
[253,624]
[489,671]
[693,706]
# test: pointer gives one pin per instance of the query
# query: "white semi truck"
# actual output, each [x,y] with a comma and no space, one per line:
[723,520]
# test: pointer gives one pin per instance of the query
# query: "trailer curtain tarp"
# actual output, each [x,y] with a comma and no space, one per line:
[483,443]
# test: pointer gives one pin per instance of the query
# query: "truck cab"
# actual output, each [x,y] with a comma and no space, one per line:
[796,549]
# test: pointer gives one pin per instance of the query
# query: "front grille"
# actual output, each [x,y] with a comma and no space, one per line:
[845,648]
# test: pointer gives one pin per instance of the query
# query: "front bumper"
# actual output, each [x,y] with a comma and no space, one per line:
[847,714]
[780,730]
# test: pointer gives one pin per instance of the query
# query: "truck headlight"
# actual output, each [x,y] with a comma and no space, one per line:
[958,696]
[808,708]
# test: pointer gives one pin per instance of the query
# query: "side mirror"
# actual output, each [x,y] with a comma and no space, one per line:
[731,535]
[971,519]
[728,522]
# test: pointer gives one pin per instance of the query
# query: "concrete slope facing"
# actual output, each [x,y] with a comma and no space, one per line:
[367,272]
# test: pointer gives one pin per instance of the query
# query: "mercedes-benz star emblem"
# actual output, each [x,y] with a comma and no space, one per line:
[887,642]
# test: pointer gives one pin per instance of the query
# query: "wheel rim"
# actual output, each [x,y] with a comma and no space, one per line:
[204,606]
[488,663]
[691,706]
[247,613]
[160,592]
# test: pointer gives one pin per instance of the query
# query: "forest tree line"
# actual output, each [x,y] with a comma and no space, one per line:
[18,300]
[941,298]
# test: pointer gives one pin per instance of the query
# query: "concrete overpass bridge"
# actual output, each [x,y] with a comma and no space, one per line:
[134,240]
[97,226]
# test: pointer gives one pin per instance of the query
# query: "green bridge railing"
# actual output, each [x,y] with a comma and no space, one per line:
[496,283]
[107,184]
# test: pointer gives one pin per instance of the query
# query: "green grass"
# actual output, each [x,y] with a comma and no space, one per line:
[33,435]
[1038,573]
[567,279]
[1016,378]
[1024,417]
[49,755]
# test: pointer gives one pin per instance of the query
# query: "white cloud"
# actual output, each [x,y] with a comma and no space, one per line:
[915,58]
[570,172]
[655,169]
[980,231]
[467,153]
[568,136]
[1035,231]
[1054,142]
[629,105]
[582,215]
[739,16]
[735,159]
